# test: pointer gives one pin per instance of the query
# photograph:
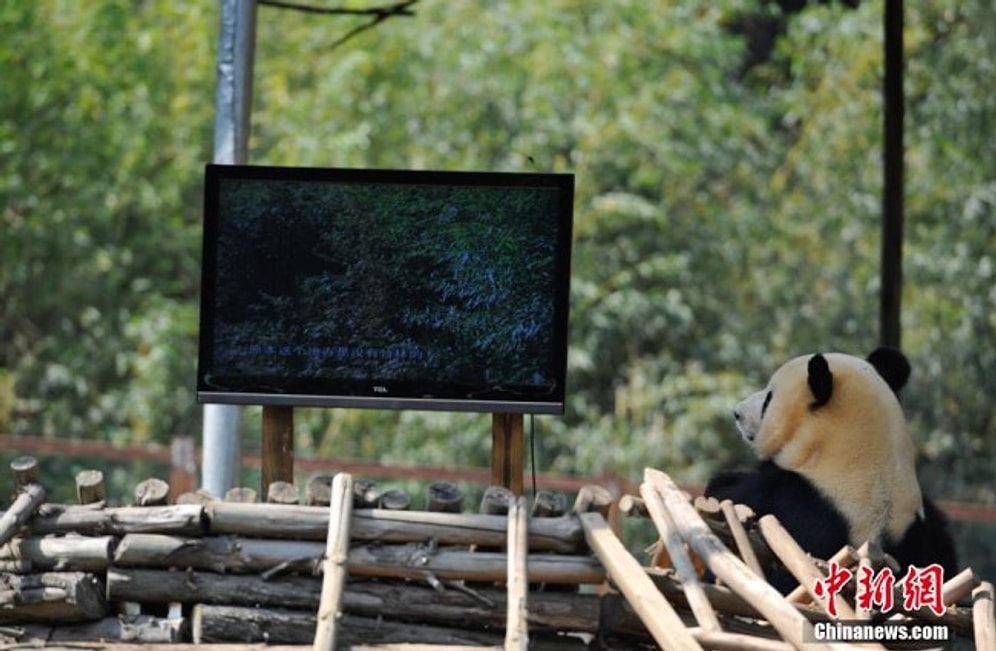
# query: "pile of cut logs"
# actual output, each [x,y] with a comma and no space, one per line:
[354,567]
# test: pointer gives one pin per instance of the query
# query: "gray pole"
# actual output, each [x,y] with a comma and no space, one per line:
[236,51]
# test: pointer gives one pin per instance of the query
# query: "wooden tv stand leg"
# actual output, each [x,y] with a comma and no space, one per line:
[507,451]
[277,446]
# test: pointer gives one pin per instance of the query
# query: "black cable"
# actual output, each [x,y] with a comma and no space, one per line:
[532,449]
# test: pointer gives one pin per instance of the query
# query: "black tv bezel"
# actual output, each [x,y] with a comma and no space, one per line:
[380,394]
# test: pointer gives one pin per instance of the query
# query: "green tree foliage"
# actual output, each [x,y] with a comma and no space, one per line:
[103,125]
[727,212]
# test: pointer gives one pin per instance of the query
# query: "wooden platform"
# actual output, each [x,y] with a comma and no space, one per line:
[342,571]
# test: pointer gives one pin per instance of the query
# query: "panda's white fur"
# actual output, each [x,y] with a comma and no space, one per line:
[855,448]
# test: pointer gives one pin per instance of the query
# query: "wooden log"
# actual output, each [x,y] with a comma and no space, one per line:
[723,563]
[152,492]
[217,553]
[319,491]
[547,504]
[516,628]
[26,471]
[70,553]
[444,497]
[29,498]
[983,617]
[395,500]
[52,597]
[413,561]
[282,492]
[633,506]
[90,487]
[496,500]
[334,567]
[141,629]
[241,494]
[200,496]
[182,520]
[232,624]
[959,586]
[192,586]
[658,616]
[366,494]
[593,498]
[406,561]
[682,562]
[479,607]
[308,523]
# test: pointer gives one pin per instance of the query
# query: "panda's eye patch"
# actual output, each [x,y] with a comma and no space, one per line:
[767,401]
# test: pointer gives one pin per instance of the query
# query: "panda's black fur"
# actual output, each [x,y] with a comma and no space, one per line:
[813,520]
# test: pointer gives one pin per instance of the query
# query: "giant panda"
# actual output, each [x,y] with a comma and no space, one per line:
[837,463]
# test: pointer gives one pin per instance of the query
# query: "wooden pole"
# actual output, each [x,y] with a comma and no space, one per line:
[662,621]
[30,496]
[516,627]
[278,446]
[680,559]
[507,451]
[728,567]
[336,555]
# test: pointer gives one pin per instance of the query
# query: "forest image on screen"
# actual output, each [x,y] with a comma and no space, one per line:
[403,283]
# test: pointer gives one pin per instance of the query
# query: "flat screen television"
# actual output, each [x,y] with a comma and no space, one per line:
[392,289]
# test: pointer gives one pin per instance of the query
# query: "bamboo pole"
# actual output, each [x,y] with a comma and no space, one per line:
[959,586]
[798,563]
[789,623]
[846,557]
[336,554]
[660,618]
[740,537]
[984,619]
[682,563]
[516,627]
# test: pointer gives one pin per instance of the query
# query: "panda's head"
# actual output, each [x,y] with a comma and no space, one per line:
[836,420]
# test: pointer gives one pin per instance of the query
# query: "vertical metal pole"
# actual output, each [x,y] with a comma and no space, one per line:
[236,52]
[890,303]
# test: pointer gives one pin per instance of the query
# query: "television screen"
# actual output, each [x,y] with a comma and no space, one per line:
[385,288]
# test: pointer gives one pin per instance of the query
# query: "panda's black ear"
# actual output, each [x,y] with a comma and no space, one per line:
[820,381]
[892,365]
